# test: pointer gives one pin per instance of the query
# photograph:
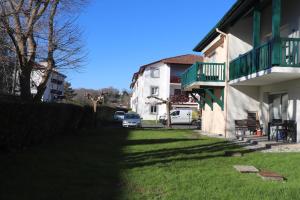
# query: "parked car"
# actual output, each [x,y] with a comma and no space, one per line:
[132,120]
[179,116]
[119,116]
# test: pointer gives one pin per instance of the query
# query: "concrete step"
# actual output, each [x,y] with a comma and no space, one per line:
[257,143]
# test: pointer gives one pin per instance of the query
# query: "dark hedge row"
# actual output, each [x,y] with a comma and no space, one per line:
[26,124]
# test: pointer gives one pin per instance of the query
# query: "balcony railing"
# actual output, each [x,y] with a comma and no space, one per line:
[260,58]
[206,72]
[53,91]
[290,52]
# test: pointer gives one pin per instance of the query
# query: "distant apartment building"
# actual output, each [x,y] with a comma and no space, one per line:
[161,79]
[251,67]
[55,86]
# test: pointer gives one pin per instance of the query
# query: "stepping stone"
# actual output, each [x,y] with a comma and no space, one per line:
[246,168]
[233,154]
[272,176]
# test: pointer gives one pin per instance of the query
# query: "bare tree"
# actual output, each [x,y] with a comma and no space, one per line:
[95,100]
[40,33]
[99,99]
[168,104]
[8,65]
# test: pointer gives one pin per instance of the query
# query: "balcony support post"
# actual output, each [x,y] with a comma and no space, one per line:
[201,103]
[202,95]
[276,21]
[219,101]
[256,35]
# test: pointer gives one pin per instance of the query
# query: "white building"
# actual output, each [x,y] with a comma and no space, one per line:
[161,79]
[55,85]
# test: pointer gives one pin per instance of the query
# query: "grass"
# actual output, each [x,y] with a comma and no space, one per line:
[150,122]
[143,164]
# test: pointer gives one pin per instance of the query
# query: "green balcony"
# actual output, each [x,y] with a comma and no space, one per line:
[260,59]
[208,74]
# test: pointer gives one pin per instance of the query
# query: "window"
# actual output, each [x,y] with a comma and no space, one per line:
[175,113]
[153,109]
[155,73]
[154,91]
[177,92]
[279,106]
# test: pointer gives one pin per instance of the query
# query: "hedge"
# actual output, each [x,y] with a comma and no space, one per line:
[26,124]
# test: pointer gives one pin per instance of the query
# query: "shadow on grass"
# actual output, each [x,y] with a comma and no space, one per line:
[84,166]
[156,141]
[88,165]
[196,152]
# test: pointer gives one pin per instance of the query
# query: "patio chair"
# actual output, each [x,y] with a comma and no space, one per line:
[252,123]
[289,131]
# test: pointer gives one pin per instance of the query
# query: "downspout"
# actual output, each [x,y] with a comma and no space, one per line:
[226,75]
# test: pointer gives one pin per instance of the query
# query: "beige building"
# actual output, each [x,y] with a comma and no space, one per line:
[252,66]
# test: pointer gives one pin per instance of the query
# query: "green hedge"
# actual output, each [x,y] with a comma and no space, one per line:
[25,124]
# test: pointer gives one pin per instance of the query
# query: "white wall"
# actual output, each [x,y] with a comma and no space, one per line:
[142,90]
[240,101]
[36,77]
[213,121]
[246,98]
[240,37]
[292,88]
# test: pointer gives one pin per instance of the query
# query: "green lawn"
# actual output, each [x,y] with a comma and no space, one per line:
[142,164]
[150,122]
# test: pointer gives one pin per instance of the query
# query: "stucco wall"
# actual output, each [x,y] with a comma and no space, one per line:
[219,54]
[213,121]
[240,101]
[290,18]
[240,37]
[292,88]
[243,99]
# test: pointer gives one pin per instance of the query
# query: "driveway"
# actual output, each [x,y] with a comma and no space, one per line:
[177,126]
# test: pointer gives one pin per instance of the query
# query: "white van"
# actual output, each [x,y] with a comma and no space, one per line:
[179,116]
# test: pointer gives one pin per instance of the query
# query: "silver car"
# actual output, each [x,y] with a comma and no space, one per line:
[132,120]
[119,116]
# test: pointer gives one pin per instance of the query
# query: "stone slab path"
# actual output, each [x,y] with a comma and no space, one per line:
[272,176]
[246,168]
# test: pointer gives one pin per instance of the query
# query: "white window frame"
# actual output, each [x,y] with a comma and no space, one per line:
[156,109]
[151,88]
[153,73]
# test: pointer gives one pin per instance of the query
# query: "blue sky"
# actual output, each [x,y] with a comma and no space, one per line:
[122,35]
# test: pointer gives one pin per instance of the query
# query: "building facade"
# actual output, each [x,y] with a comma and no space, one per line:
[251,65]
[163,80]
[55,86]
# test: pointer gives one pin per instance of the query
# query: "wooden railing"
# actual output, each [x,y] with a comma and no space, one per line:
[290,52]
[207,72]
[260,58]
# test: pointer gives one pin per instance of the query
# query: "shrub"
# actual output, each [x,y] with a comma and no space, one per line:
[25,124]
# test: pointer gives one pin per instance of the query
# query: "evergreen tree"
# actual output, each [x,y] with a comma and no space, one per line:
[69,92]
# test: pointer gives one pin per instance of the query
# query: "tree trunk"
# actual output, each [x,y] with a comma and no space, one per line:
[25,87]
[168,105]
[95,112]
